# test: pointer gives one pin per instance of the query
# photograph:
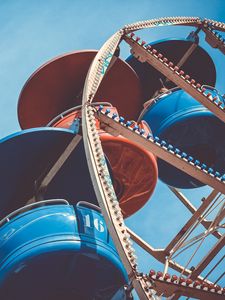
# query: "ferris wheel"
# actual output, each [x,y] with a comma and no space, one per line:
[97,134]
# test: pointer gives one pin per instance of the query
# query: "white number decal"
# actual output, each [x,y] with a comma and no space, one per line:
[98,224]
[87,221]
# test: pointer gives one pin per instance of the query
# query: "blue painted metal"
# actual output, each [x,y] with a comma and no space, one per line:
[26,157]
[183,122]
[75,126]
[59,252]
[199,65]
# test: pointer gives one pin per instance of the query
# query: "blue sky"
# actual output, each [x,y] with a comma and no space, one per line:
[32,32]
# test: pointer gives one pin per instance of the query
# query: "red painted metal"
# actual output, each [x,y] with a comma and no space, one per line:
[58,85]
[134,169]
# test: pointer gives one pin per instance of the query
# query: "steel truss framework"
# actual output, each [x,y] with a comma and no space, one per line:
[190,283]
[153,285]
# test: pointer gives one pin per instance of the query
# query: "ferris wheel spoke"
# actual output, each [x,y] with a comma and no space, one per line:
[152,286]
[213,38]
[206,260]
[213,268]
[159,148]
[145,53]
[206,223]
[192,220]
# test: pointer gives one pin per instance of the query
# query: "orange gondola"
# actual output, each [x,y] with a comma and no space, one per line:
[134,169]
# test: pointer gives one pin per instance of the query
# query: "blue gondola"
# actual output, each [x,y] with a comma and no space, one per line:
[25,159]
[178,118]
[52,250]
[183,122]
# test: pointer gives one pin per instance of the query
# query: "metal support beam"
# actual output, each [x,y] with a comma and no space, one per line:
[143,55]
[56,167]
[161,152]
[193,210]
[207,259]
[191,221]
